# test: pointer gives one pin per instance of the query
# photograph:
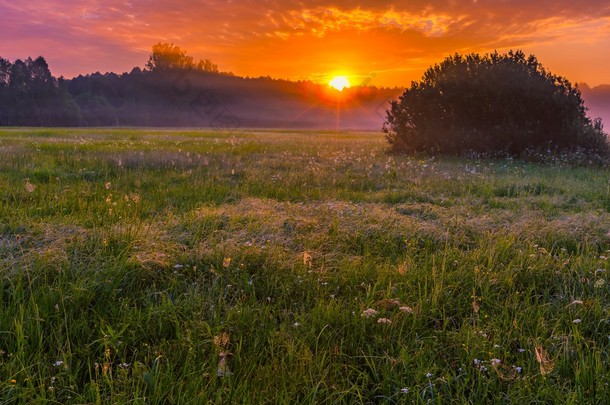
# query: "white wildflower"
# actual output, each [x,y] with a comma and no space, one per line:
[367,313]
[406,310]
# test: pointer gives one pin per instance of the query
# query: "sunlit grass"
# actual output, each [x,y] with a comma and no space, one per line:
[184,266]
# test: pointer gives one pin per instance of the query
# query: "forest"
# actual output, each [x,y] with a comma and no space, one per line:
[174,91]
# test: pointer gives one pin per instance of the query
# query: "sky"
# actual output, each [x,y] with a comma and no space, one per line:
[383,43]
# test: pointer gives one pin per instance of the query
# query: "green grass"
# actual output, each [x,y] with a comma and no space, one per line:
[116,284]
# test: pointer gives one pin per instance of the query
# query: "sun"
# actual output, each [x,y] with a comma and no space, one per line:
[339,82]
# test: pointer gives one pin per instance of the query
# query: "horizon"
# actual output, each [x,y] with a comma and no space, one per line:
[384,44]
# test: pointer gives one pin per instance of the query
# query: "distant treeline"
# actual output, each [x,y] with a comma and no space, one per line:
[174,91]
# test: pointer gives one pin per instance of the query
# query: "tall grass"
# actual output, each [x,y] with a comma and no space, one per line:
[170,266]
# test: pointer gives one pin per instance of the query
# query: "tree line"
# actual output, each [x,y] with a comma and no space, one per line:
[174,90]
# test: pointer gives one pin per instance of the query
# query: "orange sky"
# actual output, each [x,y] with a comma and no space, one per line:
[386,43]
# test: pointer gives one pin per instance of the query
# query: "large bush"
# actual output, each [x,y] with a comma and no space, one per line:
[505,104]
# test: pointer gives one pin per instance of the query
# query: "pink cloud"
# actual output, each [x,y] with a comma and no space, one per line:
[263,37]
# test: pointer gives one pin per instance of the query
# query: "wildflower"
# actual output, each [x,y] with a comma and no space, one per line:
[404,390]
[476,362]
[600,283]
[577,321]
[107,185]
[307,259]
[226,262]
[178,266]
[428,375]
[406,310]
[495,362]
[296,325]
[388,303]
[519,369]
[385,321]
[29,187]
[521,350]
[369,313]
[223,367]
[58,363]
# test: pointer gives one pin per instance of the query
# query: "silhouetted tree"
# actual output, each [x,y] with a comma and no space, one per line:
[5,72]
[30,95]
[167,57]
[498,103]
[206,65]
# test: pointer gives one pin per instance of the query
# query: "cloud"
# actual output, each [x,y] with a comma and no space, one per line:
[272,36]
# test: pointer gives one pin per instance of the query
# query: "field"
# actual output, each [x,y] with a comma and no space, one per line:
[193,267]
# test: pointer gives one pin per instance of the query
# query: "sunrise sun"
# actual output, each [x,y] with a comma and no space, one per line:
[339,82]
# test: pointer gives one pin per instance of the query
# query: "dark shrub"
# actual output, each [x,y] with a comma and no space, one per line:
[498,104]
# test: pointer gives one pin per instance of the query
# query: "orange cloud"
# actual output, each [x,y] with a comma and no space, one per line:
[394,41]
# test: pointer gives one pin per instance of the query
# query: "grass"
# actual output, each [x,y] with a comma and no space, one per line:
[171,266]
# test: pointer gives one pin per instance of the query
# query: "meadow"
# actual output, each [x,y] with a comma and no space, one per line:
[193,267]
